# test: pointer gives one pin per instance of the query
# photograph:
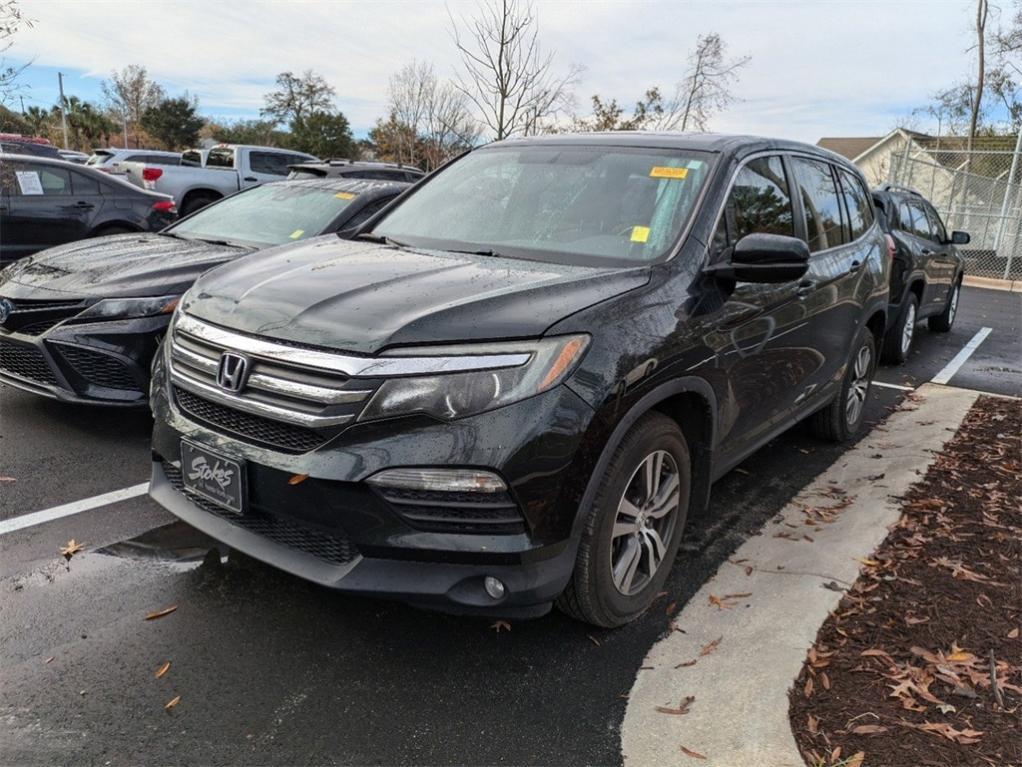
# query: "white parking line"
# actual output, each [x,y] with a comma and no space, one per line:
[894,386]
[75,507]
[959,359]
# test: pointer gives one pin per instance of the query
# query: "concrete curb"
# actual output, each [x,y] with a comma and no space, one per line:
[739,717]
[991,283]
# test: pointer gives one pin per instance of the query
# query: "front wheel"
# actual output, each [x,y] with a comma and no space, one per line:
[898,341]
[843,417]
[942,322]
[634,526]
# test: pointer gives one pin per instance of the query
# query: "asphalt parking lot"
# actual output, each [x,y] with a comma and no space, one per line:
[270,669]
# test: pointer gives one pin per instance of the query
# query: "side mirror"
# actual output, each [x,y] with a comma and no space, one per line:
[960,238]
[768,258]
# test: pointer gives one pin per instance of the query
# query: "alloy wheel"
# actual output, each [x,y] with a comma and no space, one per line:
[859,386]
[646,516]
[909,328]
[953,309]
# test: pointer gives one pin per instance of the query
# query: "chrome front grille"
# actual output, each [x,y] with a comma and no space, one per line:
[275,388]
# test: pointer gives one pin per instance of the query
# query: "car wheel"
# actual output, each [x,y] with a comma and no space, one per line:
[633,527]
[942,322]
[898,341]
[195,202]
[843,417]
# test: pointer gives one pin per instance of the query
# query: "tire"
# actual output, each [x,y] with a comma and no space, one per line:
[195,202]
[898,340]
[837,422]
[943,322]
[594,594]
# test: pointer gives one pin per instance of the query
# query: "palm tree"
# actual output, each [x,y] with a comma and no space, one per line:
[39,120]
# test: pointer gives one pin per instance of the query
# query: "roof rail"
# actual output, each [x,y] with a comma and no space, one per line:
[900,188]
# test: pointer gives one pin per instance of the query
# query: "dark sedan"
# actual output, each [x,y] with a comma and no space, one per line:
[46,202]
[80,322]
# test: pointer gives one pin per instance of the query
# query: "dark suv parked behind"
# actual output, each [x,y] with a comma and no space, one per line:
[926,273]
[518,382]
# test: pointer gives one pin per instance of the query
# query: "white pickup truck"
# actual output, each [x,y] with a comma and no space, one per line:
[228,169]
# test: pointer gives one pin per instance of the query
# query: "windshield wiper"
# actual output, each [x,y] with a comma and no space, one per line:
[379,239]
[480,252]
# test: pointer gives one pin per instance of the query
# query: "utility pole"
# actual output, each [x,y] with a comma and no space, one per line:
[124,122]
[63,111]
[22,105]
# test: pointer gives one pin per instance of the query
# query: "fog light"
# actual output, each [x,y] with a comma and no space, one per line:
[442,480]
[494,587]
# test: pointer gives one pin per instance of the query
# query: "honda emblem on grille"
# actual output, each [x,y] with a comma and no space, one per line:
[6,307]
[232,371]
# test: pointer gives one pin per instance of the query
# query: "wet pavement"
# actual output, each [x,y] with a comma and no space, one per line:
[270,669]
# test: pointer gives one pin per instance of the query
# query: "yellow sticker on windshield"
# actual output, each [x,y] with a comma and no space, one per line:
[344,196]
[662,171]
[640,233]
[297,233]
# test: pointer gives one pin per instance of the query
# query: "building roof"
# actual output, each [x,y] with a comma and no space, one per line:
[848,146]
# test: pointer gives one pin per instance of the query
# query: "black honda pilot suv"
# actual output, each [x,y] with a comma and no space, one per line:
[514,387]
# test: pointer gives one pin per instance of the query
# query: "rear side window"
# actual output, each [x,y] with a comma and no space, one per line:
[820,203]
[268,162]
[759,202]
[220,157]
[82,184]
[34,180]
[192,157]
[860,213]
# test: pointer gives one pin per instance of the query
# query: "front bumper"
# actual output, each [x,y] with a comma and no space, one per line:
[333,529]
[100,363]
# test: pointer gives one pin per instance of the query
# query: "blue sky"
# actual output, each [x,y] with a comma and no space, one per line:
[818,68]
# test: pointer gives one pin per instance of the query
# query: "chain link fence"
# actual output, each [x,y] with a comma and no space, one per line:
[978,191]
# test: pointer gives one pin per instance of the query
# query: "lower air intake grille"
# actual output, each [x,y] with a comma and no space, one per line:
[25,362]
[335,548]
[99,369]
[248,427]
[456,512]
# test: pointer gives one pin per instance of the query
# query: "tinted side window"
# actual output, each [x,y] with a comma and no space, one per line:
[220,157]
[82,184]
[759,202]
[34,180]
[936,225]
[920,223]
[820,203]
[267,162]
[860,215]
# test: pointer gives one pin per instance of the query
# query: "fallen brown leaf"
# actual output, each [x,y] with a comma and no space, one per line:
[499,626]
[297,479]
[690,752]
[160,613]
[172,702]
[163,669]
[682,708]
[593,639]
[709,647]
[8,479]
[808,689]
[812,724]
[856,760]
[868,729]
[50,659]
[686,664]
[1013,634]
[72,548]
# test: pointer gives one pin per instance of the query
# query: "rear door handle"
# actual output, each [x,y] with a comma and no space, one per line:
[83,204]
[805,287]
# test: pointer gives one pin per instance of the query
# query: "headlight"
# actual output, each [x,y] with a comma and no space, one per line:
[128,308]
[456,395]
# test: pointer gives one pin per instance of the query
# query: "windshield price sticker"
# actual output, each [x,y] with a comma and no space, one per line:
[344,196]
[663,171]
[297,233]
[640,233]
[29,182]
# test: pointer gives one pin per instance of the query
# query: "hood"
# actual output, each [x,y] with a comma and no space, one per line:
[116,266]
[363,297]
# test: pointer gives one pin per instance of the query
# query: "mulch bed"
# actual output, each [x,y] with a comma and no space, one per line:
[902,672]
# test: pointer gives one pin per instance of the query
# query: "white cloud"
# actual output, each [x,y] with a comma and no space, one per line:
[818,68]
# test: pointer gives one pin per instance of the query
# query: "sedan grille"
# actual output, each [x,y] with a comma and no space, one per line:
[98,368]
[246,426]
[333,547]
[25,362]
[33,318]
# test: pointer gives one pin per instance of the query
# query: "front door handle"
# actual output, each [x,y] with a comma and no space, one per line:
[84,205]
[805,287]
[251,178]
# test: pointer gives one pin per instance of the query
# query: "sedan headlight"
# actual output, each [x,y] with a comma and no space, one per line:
[456,395]
[129,308]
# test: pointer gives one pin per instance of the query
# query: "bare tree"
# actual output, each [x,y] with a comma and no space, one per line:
[11,20]
[506,74]
[297,97]
[705,89]
[130,92]
[982,13]
[409,92]
[448,126]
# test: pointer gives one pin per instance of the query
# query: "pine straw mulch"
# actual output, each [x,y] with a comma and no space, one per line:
[903,672]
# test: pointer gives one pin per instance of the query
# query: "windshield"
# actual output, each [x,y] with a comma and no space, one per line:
[271,214]
[574,204]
